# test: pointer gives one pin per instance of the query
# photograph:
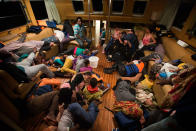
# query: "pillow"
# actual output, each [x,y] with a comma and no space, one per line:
[41,22]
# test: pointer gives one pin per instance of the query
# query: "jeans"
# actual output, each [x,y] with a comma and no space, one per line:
[84,118]
[81,43]
[167,124]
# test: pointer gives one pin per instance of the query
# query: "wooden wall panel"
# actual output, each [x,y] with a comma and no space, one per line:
[65,8]
[182,34]
[66,11]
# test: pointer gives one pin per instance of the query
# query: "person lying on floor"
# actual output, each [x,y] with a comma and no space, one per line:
[79,63]
[56,61]
[20,48]
[59,38]
[131,71]
[92,92]
[85,53]
[68,65]
[31,70]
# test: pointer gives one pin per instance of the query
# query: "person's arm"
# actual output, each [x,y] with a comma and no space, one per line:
[61,110]
[129,63]
[76,31]
[120,40]
[153,40]
[132,79]
[129,43]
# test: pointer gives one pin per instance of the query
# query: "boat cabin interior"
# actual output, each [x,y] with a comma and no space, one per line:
[97,65]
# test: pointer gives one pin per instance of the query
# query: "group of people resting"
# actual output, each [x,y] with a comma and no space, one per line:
[68,99]
[23,60]
[120,49]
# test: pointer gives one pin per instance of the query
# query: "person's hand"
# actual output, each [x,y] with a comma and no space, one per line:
[34,49]
[125,42]
[51,43]
[173,113]
[61,108]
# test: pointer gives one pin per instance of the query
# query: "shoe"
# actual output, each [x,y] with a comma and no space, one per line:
[95,51]
[108,70]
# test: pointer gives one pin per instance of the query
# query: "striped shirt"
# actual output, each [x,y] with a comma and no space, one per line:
[135,68]
[79,30]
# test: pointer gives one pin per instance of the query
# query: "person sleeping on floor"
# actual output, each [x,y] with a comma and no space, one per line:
[25,66]
[131,71]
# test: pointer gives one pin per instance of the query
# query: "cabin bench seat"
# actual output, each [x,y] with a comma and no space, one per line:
[173,51]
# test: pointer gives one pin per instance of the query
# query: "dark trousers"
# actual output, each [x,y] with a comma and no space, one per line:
[47,101]
[69,51]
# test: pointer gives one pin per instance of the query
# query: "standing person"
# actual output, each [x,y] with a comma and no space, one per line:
[80,33]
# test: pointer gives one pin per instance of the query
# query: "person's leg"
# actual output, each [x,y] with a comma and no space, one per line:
[28,61]
[52,108]
[69,51]
[81,115]
[23,50]
[167,124]
[68,70]
[31,71]
[43,102]
[89,42]
[80,42]
[63,43]
[93,111]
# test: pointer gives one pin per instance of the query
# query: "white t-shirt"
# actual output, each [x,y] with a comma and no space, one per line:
[59,34]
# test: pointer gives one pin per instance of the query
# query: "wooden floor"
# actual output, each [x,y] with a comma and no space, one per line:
[104,121]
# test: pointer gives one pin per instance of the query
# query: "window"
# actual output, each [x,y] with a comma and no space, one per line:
[97,5]
[117,6]
[139,7]
[78,6]
[182,14]
[39,9]
[12,15]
